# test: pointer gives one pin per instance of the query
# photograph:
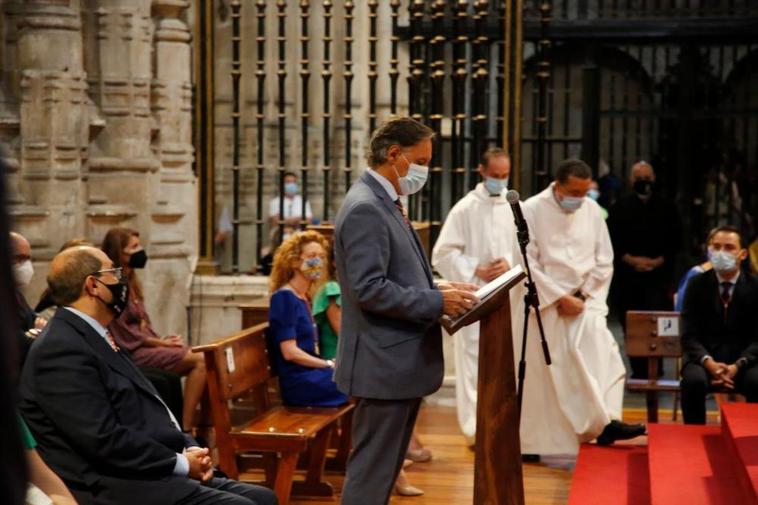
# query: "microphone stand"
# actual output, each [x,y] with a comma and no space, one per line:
[531,299]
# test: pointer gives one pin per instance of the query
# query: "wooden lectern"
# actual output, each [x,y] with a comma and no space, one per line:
[498,478]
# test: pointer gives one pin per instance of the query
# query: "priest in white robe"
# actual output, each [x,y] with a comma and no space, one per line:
[477,243]
[579,397]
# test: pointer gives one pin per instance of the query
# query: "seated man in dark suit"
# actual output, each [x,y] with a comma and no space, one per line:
[720,336]
[99,423]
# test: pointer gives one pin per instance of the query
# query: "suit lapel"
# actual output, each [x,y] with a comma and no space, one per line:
[117,361]
[390,206]
[424,259]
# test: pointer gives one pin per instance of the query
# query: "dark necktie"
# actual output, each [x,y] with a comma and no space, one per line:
[402,210]
[726,295]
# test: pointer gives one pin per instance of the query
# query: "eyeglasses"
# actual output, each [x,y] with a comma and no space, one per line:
[118,273]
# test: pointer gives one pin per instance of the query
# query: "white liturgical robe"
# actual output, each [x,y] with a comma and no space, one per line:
[477,230]
[572,400]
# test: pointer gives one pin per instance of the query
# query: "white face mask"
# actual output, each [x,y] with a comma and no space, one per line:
[722,261]
[414,180]
[495,186]
[23,273]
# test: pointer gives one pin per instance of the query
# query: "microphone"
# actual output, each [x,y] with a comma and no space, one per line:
[531,298]
[512,197]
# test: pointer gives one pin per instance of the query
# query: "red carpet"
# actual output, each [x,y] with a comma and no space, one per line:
[689,465]
[611,476]
[740,430]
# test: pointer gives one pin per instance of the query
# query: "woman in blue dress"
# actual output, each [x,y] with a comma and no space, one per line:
[305,379]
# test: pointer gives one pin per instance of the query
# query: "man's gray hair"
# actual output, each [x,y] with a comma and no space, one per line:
[66,283]
[402,131]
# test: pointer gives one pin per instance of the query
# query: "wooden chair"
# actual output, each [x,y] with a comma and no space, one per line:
[644,341]
[237,367]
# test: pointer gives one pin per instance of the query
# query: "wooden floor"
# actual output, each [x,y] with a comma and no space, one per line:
[449,477]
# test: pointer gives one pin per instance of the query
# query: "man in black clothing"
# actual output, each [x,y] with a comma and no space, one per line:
[21,261]
[99,423]
[646,233]
[720,335]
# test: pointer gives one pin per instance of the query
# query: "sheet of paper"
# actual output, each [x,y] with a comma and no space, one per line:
[668,326]
[499,281]
[230,366]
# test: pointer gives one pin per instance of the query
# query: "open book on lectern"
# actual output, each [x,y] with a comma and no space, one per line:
[486,295]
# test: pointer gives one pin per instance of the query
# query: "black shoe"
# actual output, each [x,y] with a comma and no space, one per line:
[530,458]
[616,430]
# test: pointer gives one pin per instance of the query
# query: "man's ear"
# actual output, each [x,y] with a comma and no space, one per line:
[90,285]
[480,169]
[393,152]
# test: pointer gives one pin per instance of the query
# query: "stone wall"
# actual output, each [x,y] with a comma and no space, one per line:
[96,123]
[95,118]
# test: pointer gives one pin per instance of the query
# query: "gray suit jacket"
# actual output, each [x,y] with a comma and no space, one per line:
[390,344]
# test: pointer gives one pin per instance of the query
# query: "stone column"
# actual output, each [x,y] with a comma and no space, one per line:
[122,164]
[53,123]
[173,226]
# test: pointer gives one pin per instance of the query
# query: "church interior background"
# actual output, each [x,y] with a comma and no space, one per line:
[171,116]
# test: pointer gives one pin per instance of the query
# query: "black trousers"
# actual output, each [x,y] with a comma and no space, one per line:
[639,291]
[382,430]
[696,384]
[173,491]
[230,492]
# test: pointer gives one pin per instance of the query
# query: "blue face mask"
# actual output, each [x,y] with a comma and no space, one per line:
[414,180]
[495,186]
[570,203]
[722,261]
[290,188]
[594,194]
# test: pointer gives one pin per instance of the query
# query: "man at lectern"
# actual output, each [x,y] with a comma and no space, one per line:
[389,353]
[579,397]
[477,243]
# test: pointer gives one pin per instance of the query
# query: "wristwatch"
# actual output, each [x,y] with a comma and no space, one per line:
[330,363]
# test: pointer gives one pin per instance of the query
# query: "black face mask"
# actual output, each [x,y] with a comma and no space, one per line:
[643,187]
[119,296]
[138,259]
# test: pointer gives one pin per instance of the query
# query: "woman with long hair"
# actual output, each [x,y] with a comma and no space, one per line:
[305,378]
[133,330]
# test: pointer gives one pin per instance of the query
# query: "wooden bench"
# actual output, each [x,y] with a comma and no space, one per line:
[239,370]
[654,335]
[254,313]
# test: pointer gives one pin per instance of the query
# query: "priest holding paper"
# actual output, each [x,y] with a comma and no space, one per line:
[579,397]
[476,244]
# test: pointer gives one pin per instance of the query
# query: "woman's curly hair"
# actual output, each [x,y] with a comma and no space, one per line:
[287,258]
